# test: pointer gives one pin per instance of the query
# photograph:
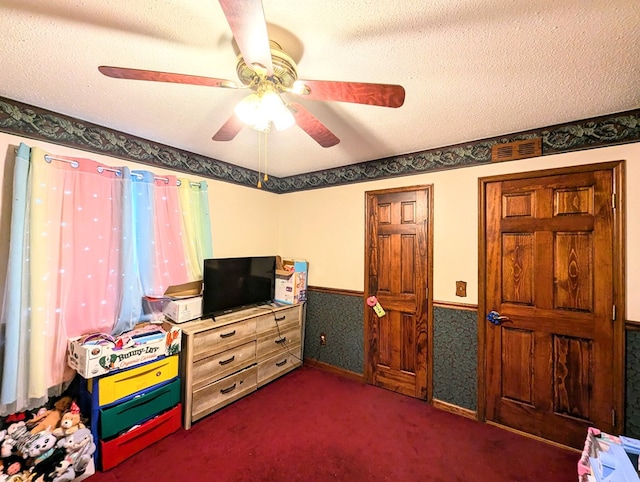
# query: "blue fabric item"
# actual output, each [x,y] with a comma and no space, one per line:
[14,309]
[131,294]
[144,214]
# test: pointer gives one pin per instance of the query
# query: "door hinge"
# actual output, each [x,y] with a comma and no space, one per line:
[613,314]
[613,201]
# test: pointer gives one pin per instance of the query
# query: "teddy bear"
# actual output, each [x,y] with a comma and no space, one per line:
[70,422]
[50,419]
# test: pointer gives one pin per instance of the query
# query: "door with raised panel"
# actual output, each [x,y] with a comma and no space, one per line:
[398,273]
[553,344]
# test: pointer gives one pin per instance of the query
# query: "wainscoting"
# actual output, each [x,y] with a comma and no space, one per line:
[339,315]
[632,420]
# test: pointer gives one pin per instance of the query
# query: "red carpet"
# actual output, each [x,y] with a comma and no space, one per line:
[312,425]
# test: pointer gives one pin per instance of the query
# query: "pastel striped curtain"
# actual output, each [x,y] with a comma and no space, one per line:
[160,232]
[194,201]
[87,241]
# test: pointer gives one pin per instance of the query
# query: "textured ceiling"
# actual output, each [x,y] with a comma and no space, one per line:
[471,69]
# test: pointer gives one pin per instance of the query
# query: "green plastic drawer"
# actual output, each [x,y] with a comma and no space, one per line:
[125,415]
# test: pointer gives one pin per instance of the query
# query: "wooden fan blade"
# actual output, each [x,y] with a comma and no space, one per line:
[229,129]
[312,126]
[384,95]
[152,75]
[249,28]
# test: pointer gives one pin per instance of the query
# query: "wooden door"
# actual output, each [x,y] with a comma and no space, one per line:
[398,272]
[553,344]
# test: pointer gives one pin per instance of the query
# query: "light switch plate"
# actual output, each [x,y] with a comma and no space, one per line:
[461,288]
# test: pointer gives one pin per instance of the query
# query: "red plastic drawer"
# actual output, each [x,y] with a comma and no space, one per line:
[119,449]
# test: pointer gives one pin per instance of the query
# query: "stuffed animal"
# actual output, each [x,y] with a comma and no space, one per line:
[14,464]
[45,468]
[50,419]
[16,440]
[42,447]
[70,422]
[80,448]
[8,447]
[63,472]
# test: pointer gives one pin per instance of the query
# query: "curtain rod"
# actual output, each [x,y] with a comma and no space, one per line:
[118,172]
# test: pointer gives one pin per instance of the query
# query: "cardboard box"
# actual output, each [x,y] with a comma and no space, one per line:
[291,281]
[184,309]
[154,307]
[97,357]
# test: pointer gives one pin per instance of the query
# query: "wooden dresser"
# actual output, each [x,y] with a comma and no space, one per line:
[227,358]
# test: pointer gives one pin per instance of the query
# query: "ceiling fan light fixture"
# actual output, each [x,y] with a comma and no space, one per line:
[263,108]
[284,118]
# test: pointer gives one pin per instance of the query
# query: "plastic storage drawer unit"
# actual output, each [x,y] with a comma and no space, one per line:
[120,448]
[118,418]
[123,384]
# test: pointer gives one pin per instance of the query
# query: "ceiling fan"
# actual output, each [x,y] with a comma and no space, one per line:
[269,72]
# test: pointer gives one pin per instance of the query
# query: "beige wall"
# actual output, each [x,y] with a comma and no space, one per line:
[326,226]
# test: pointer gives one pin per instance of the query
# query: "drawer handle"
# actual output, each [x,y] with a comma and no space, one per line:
[282,340]
[227,335]
[228,360]
[283,362]
[228,389]
[281,318]
[158,373]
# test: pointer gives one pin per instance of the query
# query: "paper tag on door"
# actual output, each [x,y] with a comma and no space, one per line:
[372,301]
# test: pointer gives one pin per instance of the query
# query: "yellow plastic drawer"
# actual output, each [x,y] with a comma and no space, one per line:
[123,384]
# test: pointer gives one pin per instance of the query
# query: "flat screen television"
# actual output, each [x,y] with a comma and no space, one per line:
[230,284]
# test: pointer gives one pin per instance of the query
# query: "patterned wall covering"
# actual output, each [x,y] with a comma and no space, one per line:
[455,356]
[35,123]
[632,421]
[340,317]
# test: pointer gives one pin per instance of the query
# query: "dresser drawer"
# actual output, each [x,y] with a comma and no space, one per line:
[120,417]
[210,369]
[278,319]
[277,365]
[224,391]
[219,339]
[123,384]
[276,341]
[120,448]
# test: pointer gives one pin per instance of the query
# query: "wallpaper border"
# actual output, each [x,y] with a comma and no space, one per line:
[37,123]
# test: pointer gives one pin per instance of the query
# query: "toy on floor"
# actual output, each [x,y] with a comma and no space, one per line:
[40,450]
[50,419]
[80,448]
[70,422]
[42,447]
[45,469]
[12,465]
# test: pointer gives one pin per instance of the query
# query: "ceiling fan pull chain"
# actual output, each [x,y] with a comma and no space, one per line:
[266,156]
[259,158]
